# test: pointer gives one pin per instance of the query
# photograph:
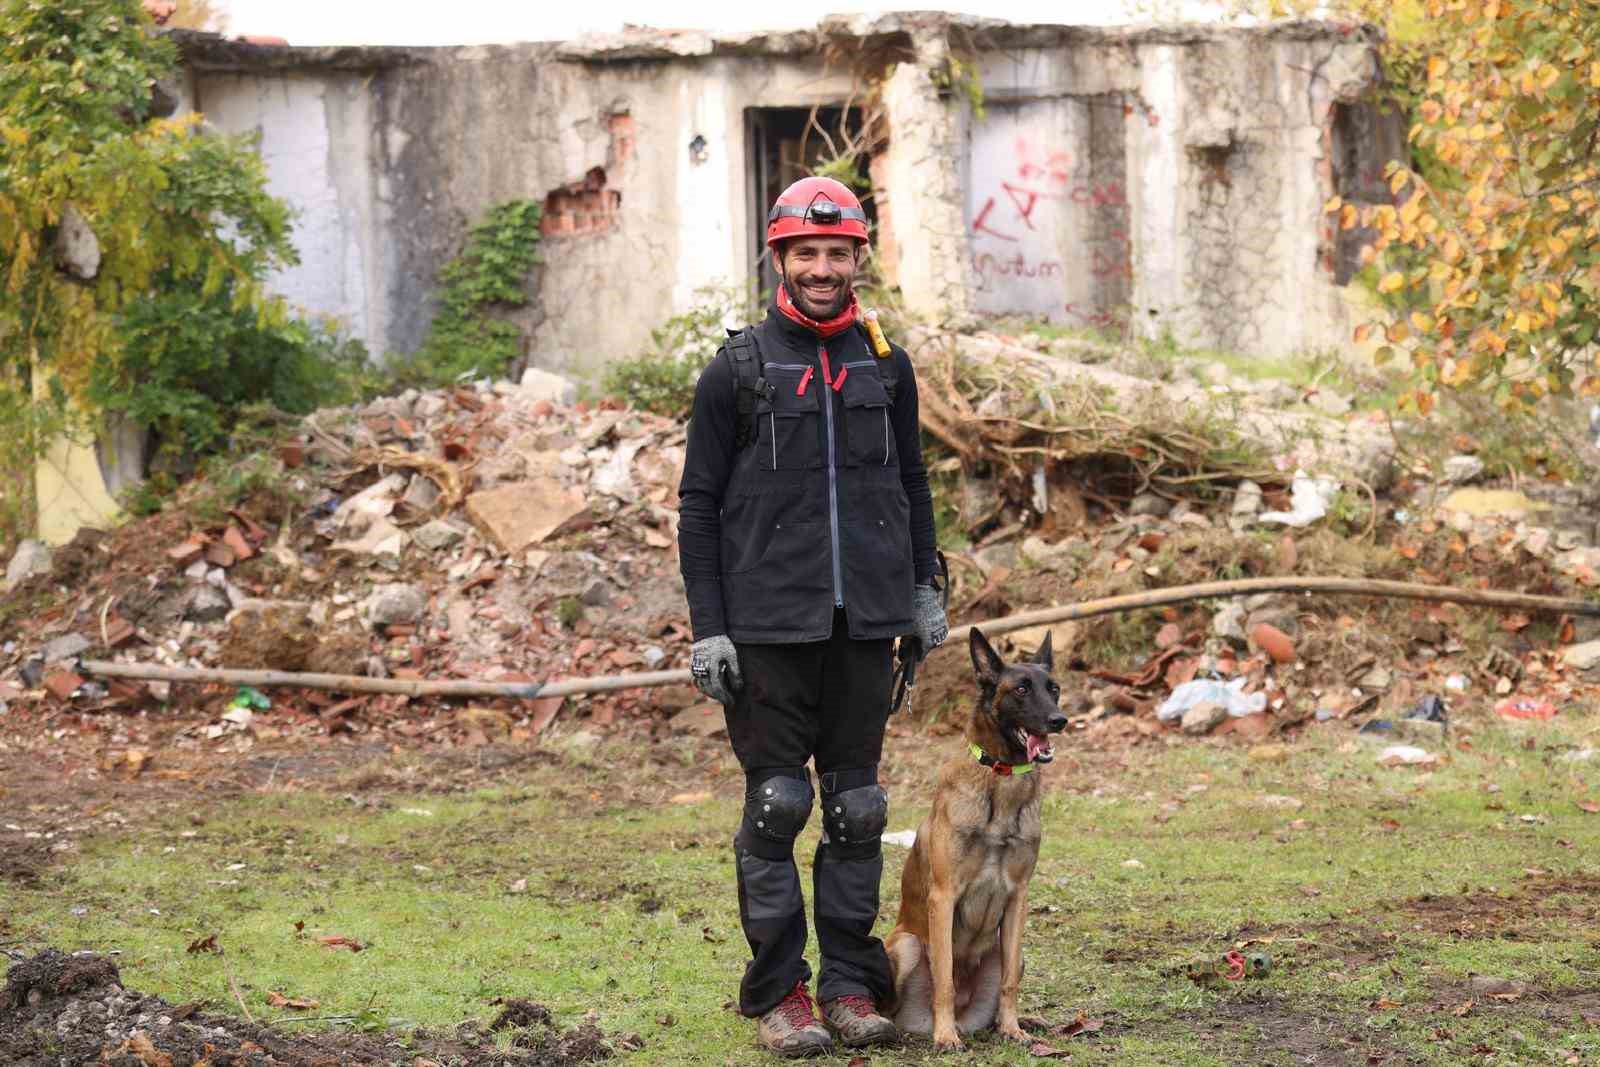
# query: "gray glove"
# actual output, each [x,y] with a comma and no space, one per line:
[927,614]
[709,656]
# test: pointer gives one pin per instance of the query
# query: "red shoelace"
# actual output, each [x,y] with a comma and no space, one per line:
[797,1009]
[859,1003]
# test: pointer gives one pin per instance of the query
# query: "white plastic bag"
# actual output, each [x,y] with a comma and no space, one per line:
[1230,695]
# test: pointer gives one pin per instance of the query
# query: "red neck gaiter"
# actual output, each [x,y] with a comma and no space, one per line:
[834,326]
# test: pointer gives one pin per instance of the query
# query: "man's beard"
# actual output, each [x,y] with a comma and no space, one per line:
[821,314]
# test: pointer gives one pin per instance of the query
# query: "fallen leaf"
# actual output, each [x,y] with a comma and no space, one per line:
[1385,1004]
[299,926]
[1515,623]
[140,1045]
[1081,1025]
[1169,635]
[340,941]
[278,1000]
[1461,1009]
[1047,1052]
[1589,806]
[205,944]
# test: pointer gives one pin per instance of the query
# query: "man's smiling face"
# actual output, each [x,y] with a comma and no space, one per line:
[818,273]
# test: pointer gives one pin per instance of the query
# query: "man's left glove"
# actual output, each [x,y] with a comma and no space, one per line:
[927,613]
[709,658]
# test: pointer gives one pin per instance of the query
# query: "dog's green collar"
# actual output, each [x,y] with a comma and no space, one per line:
[1003,769]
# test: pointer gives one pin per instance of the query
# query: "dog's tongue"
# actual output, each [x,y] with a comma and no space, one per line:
[1036,745]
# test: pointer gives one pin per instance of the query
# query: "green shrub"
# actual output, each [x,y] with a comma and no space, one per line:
[491,273]
[662,378]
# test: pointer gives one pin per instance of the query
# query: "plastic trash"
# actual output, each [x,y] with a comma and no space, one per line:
[1429,709]
[1411,755]
[1524,708]
[1230,695]
[1309,499]
[901,838]
[250,698]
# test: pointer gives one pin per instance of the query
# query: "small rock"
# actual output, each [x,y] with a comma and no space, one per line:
[1377,678]
[703,720]
[437,534]
[538,384]
[1228,622]
[421,494]
[197,571]
[1247,498]
[206,603]
[597,594]
[1459,470]
[67,646]
[1203,718]
[1582,657]
[30,558]
[1150,504]
[653,656]
[1328,402]
[1133,865]
[1216,374]
[395,603]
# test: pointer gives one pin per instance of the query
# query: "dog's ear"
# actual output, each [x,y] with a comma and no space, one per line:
[985,660]
[1045,657]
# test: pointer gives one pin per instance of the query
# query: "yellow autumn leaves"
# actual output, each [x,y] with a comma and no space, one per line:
[1489,257]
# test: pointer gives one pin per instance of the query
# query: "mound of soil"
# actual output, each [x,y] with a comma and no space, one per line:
[73,1009]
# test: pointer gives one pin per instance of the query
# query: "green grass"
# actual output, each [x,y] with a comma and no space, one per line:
[629,908]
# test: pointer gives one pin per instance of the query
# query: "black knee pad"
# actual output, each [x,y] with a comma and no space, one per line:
[856,817]
[775,812]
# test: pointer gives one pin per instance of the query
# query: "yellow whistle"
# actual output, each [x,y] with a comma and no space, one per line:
[880,343]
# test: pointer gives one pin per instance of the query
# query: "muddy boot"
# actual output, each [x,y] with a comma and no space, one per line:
[792,1029]
[855,1018]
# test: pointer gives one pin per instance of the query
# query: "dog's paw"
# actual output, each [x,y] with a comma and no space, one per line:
[947,1040]
[1014,1032]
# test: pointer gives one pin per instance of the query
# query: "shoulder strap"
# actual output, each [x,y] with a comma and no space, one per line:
[744,353]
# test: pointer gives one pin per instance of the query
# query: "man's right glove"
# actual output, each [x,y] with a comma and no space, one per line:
[709,658]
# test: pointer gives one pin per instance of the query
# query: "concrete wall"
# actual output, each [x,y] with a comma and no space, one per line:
[1174,177]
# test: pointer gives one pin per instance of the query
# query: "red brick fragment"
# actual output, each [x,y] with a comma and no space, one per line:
[242,548]
[63,683]
[187,552]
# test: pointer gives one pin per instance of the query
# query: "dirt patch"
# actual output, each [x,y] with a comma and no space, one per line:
[21,858]
[1472,916]
[73,1009]
[1285,1032]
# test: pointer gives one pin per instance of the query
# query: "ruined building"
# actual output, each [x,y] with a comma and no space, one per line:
[1169,177]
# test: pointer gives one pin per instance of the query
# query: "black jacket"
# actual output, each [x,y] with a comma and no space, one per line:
[774,536]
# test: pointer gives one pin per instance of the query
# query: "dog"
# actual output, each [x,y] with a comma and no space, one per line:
[956,949]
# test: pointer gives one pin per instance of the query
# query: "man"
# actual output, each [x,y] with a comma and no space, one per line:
[807,546]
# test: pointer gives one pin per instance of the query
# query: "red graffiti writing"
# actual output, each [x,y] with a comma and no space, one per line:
[1097,194]
[1017,266]
[980,224]
[1099,317]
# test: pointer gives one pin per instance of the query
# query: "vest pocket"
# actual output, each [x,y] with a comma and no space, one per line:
[869,433]
[788,426]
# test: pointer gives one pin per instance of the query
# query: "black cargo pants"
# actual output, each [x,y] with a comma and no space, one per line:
[826,701]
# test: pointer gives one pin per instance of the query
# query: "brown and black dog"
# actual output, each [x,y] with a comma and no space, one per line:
[956,949]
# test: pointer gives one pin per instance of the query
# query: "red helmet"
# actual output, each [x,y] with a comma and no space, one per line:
[816,206]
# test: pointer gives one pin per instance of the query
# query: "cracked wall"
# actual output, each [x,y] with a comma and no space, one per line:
[1170,178]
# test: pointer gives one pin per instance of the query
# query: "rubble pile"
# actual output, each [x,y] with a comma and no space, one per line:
[509,533]
[490,532]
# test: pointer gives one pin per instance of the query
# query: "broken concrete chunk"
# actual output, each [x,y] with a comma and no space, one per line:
[540,384]
[1247,498]
[381,539]
[30,558]
[1203,718]
[67,646]
[421,494]
[1459,470]
[206,603]
[438,534]
[1150,504]
[376,501]
[614,477]
[1583,656]
[396,603]
[518,516]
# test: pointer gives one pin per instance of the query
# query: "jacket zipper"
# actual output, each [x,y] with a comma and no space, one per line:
[833,485]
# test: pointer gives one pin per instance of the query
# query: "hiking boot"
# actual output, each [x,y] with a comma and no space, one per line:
[858,1023]
[792,1029]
